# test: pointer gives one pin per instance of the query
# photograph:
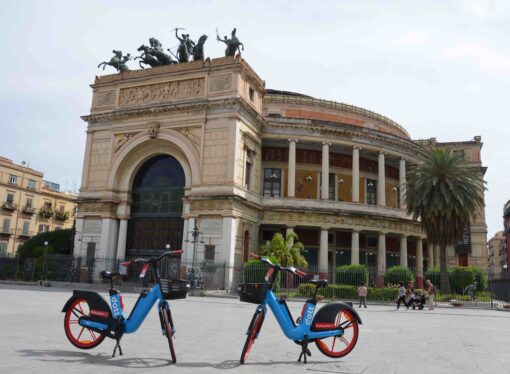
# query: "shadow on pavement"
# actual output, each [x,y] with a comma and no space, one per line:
[48,355]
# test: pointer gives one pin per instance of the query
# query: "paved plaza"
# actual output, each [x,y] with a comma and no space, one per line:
[211,333]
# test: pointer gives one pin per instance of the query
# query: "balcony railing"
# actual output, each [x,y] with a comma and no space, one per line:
[28,209]
[46,213]
[62,216]
[8,205]
[26,234]
[5,231]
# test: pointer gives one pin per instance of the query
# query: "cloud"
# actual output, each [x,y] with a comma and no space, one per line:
[417,37]
[482,55]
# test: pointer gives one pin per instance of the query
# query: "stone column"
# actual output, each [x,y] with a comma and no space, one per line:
[355,174]
[121,241]
[78,239]
[107,246]
[323,254]
[403,251]
[355,248]
[402,182]
[229,248]
[325,171]
[291,181]
[381,259]
[381,182]
[430,254]
[419,262]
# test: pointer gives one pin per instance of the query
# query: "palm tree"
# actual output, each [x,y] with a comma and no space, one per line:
[446,194]
[287,251]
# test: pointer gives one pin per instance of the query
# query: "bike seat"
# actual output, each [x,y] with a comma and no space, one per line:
[109,274]
[319,282]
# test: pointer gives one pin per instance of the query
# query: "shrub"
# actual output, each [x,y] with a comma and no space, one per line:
[351,274]
[397,274]
[61,242]
[434,275]
[345,292]
[460,277]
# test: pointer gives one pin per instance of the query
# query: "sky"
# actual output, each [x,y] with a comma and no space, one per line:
[438,68]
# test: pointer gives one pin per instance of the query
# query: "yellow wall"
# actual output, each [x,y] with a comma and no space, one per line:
[345,188]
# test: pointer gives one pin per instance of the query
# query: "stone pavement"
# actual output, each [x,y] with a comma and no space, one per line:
[211,333]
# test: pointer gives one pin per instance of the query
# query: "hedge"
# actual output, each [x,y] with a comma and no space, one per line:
[339,291]
[351,274]
[460,277]
[59,241]
[397,274]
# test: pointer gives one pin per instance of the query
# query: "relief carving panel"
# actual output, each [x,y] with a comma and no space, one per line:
[161,92]
[194,134]
[121,139]
[220,83]
[105,98]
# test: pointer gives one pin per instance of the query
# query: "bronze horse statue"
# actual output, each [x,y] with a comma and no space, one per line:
[147,57]
[117,61]
[198,50]
[233,44]
[157,51]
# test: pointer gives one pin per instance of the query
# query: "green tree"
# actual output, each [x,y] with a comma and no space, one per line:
[59,241]
[446,193]
[287,251]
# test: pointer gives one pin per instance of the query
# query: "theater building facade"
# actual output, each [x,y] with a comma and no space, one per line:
[207,145]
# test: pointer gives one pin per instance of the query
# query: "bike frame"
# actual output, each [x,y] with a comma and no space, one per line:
[138,314]
[292,331]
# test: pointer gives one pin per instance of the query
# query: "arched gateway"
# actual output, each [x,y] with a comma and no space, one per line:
[156,210]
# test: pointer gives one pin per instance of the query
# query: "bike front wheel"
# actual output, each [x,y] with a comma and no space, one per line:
[253,331]
[339,346]
[79,336]
[168,326]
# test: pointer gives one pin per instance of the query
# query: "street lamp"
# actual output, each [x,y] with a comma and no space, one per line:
[45,266]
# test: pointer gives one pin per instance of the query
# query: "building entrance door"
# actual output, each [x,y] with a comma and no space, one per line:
[156,211]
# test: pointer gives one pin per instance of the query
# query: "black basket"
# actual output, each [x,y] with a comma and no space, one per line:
[253,292]
[174,289]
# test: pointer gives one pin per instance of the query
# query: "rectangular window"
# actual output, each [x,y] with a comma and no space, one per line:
[209,253]
[61,208]
[26,228]
[43,228]
[371,192]
[29,203]
[331,188]
[251,93]
[247,176]
[272,182]
[3,249]
[47,205]
[31,184]
[6,225]
[397,192]
[10,198]
[13,179]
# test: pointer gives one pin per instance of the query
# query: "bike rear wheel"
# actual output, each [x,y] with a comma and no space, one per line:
[79,336]
[253,331]
[339,346]
[168,326]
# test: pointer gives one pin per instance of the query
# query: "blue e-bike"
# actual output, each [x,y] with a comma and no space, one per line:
[334,328]
[89,319]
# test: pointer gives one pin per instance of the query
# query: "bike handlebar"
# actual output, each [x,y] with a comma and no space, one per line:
[153,259]
[290,269]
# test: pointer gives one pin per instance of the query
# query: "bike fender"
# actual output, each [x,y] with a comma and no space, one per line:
[95,301]
[328,313]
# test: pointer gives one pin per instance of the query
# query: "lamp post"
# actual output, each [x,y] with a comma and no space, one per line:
[45,266]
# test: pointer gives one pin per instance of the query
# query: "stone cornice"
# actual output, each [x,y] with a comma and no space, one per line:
[309,101]
[326,128]
[187,107]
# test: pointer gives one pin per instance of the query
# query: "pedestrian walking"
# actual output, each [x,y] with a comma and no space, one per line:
[432,292]
[401,296]
[362,293]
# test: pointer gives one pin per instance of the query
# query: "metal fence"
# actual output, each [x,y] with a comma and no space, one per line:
[490,291]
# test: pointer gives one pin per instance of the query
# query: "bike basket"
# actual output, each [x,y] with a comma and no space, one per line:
[174,289]
[253,292]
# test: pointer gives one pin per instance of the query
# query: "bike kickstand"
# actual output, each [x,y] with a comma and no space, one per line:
[115,349]
[304,352]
